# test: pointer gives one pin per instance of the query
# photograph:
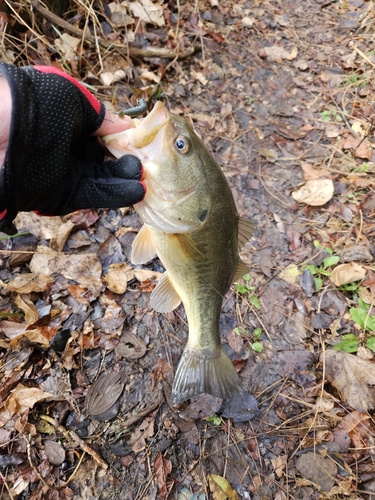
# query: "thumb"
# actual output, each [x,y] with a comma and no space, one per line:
[112,123]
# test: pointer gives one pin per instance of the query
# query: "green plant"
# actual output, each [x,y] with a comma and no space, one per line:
[215,419]
[247,289]
[323,270]
[350,343]
[256,345]
[329,116]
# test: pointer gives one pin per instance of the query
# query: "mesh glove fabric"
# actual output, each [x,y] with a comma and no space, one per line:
[52,164]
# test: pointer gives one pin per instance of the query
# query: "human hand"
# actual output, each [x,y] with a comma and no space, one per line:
[53,164]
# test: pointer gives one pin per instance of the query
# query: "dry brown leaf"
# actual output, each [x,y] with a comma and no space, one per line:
[144,431]
[43,227]
[145,274]
[54,451]
[364,151]
[148,11]
[104,393]
[221,488]
[315,192]
[27,306]
[118,277]
[162,467]
[130,346]
[318,469]
[310,172]
[347,273]
[353,377]
[23,398]
[34,336]
[83,268]
[67,45]
[28,282]
[278,53]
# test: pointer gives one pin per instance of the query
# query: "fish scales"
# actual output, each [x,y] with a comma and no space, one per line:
[192,224]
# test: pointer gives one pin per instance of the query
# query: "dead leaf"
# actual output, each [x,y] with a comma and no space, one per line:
[145,274]
[310,172]
[67,45]
[278,53]
[318,469]
[270,155]
[104,393]
[109,77]
[162,467]
[83,268]
[353,377]
[27,306]
[221,488]
[148,11]
[28,282]
[144,431]
[347,273]
[54,451]
[291,274]
[20,401]
[118,277]
[364,151]
[131,346]
[315,192]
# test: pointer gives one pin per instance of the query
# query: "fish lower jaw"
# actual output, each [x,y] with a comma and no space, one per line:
[207,371]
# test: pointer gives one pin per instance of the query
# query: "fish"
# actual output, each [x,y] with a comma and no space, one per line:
[190,221]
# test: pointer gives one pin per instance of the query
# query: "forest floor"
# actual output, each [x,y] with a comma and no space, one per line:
[282,93]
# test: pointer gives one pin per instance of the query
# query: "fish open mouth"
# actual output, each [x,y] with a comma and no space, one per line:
[136,139]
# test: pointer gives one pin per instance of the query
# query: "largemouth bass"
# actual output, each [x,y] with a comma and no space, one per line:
[191,223]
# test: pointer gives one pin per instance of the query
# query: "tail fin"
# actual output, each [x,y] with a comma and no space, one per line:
[208,371]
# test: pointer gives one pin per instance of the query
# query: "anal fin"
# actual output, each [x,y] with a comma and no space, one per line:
[241,270]
[164,298]
[143,249]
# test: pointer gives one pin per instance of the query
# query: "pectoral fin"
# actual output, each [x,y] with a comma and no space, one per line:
[245,231]
[143,249]
[241,270]
[182,247]
[164,298]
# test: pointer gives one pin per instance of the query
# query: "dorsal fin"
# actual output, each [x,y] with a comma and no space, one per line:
[164,298]
[245,231]
[143,249]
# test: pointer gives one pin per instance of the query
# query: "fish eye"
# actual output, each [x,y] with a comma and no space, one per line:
[182,144]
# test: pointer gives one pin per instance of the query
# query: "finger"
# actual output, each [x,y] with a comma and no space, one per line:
[104,193]
[126,167]
[113,123]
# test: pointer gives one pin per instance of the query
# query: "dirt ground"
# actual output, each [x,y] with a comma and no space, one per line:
[282,94]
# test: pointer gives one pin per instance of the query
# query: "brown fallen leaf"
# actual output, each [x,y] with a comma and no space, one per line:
[314,192]
[144,431]
[221,488]
[318,469]
[31,312]
[131,346]
[353,377]
[103,393]
[162,467]
[54,451]
[347,273]
[118,276]
[83,268]
[28,282]
[20,401]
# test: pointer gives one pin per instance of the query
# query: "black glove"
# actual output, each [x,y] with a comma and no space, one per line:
[52,164]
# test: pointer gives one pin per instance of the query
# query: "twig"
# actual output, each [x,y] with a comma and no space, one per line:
[85,447]
[4,481]
[127,51]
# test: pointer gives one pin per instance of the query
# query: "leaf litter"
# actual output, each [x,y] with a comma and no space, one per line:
[293,130]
